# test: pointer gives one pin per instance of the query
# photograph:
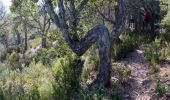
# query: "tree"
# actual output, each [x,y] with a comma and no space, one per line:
[36,18]
[153,9]
[136,9]
[42,22]
[3,25]
[3,14]
[99,33]
[20,22]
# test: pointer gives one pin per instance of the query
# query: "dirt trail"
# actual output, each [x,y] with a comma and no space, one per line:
[137,86]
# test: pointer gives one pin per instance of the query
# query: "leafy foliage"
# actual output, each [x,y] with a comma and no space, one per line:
[40,82]
[157,51]
[67,75]
[128,45]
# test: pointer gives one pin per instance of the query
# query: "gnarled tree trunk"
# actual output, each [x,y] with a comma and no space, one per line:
[99,34]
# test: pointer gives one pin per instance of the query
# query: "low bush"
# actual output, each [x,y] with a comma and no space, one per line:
[14,57]
[35,42]
[3,56]
[160,89]
[157,51]
[17,48]
[14,61]
[67,76]
[155,66]
[33,83]
[152,52]
[47,56]
[60,81]
[100,93]
[128,45]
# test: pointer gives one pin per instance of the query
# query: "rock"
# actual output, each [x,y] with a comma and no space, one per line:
[146,82]
[126,97]
[114,79]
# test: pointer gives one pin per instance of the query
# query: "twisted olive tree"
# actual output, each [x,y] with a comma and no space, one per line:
[99,34]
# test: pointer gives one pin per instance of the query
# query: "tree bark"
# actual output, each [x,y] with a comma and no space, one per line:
[25,48]
[99,34]
[43,42]
[4,40]
[26,43]
[18,41]
[152,26]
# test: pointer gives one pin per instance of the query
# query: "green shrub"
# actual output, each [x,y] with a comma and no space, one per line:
[17,48]
[67,73]
[33,83]
[160,89]
[91,62]
[20,49]
[116,96]
[99,93]
[1,95]
[43,56]
[155,66]
[123,75]
[128,45]
[166,36]
[34,43]
[153,55]
[3,53]
[126,72]
[47,56]
[26,62]
[3,56]
[14,57]
[153,50]
[10,49]
[14,62]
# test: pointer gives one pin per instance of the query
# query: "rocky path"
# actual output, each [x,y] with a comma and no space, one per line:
[137,87]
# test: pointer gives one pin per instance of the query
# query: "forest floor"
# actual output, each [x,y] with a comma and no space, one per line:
[140,84]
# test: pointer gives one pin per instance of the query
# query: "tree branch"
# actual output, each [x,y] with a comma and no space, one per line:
[73,19]
[50,10]
[120,17]
[73,12]
[106,18]
[60,19]
[49,24]
[81,6]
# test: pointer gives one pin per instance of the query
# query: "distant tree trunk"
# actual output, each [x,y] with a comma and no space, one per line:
[152,26]
[5,40]
[26,44]
[25,48]
[43,41]
[18,41]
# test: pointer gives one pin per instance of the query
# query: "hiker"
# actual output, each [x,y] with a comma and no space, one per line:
[145,19]
[132,23]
